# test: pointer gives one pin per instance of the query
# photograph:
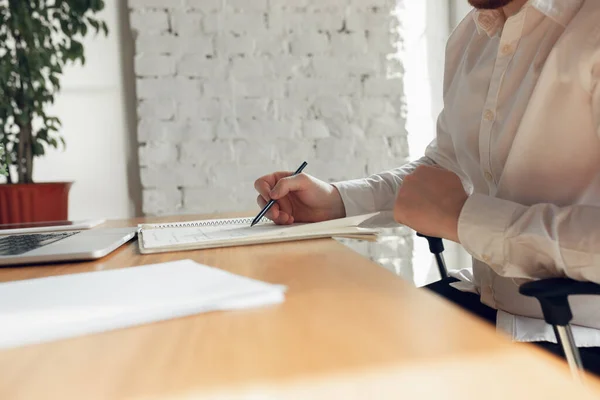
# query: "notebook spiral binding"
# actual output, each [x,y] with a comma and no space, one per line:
[213,222]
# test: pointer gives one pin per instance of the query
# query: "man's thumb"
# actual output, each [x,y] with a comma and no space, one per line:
[286,185]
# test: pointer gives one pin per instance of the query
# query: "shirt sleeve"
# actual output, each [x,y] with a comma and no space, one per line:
[378,191]
[538,241]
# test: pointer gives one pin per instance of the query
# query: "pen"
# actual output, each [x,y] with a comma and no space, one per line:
[271,202]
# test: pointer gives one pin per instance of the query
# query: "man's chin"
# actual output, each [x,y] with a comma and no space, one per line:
[489,4]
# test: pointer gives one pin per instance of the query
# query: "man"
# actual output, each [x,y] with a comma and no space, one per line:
[513,174]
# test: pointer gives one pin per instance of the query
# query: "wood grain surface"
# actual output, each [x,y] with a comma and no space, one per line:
[348,328]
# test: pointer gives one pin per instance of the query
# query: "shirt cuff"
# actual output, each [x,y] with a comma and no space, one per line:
[357,196]
[482,228]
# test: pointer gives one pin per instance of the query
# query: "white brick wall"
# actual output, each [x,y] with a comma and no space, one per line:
[232,89]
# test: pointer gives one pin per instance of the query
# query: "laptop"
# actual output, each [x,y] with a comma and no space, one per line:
[68,245]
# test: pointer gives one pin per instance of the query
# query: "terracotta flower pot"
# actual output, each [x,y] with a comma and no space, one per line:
[34,202]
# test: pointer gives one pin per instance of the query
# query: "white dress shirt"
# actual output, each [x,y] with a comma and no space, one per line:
[520,126]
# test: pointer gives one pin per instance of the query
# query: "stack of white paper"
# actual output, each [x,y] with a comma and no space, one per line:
[45,309]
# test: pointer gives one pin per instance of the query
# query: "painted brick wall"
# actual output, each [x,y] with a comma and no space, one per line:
[229,90]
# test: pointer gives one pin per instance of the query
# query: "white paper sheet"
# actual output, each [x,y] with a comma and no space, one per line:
[45,309]
[175,237]
[200,234]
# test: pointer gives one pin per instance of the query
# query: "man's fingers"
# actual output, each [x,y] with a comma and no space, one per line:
[277,186]
[289,184]
[273,213]
[263,188]
[265,184]
[271,179]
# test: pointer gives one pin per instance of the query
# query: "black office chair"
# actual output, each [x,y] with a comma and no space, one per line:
[436,247]
[553,296]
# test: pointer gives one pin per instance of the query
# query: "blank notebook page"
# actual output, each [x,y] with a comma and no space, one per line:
[44,309]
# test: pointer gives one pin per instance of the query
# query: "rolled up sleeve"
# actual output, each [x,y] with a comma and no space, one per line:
[483,225]
[376,192]
[538,241]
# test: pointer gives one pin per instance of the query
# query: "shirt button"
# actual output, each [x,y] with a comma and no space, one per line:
[488,115]
[488,176]
[506,49]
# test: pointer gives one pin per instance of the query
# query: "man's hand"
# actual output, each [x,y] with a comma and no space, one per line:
[300,198]
[430,201]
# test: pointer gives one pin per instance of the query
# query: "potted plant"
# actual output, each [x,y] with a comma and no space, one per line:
[38,38]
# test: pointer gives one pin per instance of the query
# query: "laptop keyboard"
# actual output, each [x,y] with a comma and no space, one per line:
[15,245]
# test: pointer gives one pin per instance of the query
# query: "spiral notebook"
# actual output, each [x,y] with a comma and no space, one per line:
[205,234]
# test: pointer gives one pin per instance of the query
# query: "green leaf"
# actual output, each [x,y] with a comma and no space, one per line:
[55,81]
[37,149]
[42,135]
[95,24]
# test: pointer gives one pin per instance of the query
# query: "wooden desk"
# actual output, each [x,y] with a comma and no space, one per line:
[348,329]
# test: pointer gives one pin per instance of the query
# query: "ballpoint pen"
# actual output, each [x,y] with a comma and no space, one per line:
[271,202]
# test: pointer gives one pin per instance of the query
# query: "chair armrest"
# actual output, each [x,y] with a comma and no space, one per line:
[553,296]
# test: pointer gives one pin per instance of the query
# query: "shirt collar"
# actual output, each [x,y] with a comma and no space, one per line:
[562,11]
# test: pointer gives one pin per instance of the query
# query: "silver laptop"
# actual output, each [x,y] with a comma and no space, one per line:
[75,245]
